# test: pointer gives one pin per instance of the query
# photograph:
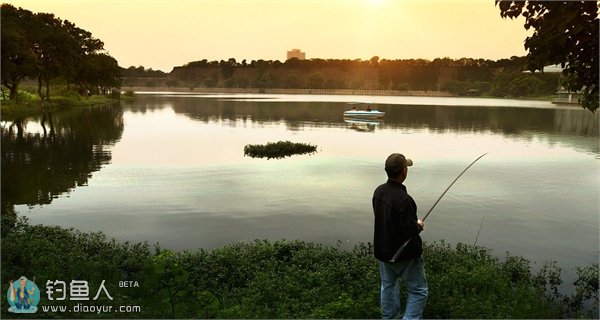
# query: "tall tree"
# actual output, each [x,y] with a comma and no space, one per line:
[49,41]
[80,65]
[565,32]
[43,46]
[103,72]
[18,60]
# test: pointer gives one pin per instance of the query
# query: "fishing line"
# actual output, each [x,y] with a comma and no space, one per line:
[480,227]
[428,212]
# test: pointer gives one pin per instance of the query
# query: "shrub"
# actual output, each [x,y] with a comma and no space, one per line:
[280,149]
[283,279]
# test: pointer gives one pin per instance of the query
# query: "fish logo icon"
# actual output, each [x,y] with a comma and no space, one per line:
[23,296]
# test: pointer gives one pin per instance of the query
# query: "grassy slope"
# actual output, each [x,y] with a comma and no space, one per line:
[265,279]
[31,106]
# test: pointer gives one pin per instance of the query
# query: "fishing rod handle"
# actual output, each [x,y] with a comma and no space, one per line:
[393,259]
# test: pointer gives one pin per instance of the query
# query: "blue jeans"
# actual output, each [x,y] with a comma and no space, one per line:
[412,272]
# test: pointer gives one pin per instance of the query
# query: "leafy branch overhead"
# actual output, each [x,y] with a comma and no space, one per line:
[565,33]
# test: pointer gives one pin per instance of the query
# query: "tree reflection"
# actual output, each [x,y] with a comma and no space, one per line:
[39,165]
[297,115]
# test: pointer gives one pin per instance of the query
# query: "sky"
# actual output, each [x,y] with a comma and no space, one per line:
[162,34]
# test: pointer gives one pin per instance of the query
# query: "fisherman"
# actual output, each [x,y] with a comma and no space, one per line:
[395,222]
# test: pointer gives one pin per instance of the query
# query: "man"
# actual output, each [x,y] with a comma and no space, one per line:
[395,222]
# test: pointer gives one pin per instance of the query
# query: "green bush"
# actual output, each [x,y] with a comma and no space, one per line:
[52,253]
[524,84]
[283,279]
[277,150]
[66,91]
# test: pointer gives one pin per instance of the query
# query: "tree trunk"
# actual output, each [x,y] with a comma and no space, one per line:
[40,87]
[19,125]
[47,90]
[43,124]
[85,91]
[14,94]
[12,86]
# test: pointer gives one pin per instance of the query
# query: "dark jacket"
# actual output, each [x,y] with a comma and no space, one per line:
[395,222]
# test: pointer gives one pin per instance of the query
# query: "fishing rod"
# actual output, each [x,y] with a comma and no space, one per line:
[393,259]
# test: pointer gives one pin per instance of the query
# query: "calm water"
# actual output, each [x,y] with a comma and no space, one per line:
[170,168]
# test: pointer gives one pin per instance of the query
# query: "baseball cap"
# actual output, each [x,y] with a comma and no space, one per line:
[397,161]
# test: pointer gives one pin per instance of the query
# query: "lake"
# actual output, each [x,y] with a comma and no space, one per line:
[170,168]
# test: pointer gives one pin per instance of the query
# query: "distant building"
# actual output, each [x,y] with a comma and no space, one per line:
[296,53]
[555,68]
[564,96]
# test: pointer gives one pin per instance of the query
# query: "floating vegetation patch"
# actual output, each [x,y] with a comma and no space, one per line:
[278,150]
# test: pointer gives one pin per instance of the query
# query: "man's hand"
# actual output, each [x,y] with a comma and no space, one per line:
[421,224]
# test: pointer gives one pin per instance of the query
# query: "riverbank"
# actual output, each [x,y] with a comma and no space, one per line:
[29,106]
[277,279]
[366,92]
[343,92]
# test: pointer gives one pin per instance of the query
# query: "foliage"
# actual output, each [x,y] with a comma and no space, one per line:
[462,77]
[31,105]
[401,74]
[283,279]
[18,61]
[315,81]
[586,290]
[468,282]
[565,32]
[288,279]
[167,288]
[141,72]
[227,68]
[467,88]
[52,253]
[43,47]
[523,85]
[278,150]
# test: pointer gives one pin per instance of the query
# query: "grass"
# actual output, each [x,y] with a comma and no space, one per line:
[31,105]
[279,279]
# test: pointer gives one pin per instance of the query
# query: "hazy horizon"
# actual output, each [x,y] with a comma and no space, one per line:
[162,34]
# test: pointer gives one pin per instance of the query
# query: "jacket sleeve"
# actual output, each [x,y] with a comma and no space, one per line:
[408,222]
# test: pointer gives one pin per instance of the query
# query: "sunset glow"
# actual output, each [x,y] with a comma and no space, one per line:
[163,34]
[376,2]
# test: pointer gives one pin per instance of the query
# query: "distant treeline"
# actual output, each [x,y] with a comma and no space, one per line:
[466,76]
[141,72]
[52,51]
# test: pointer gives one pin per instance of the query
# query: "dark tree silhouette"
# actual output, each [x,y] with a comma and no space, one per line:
[565,32]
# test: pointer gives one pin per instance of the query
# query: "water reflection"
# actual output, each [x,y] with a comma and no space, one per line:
[49,155]
[556,125]
[178,174]
[362,125]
